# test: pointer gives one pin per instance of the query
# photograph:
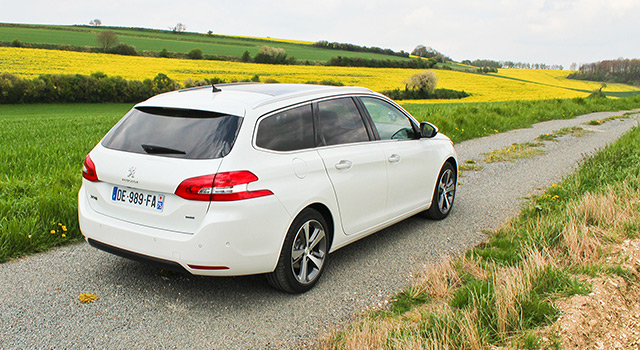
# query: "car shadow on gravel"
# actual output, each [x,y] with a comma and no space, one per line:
[358,261]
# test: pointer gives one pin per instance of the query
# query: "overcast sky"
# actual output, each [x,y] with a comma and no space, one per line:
[534,31]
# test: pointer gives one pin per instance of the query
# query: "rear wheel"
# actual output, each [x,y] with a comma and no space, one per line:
[444,194]
[304,254]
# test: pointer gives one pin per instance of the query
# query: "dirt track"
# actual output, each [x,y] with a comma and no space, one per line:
[141,307]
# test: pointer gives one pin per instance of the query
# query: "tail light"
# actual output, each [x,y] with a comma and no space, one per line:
[89,170]
[229,186]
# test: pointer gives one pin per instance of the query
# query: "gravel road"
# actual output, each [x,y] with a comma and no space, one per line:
[142,307]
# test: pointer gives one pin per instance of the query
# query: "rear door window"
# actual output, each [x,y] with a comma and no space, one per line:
[339,121]
[177,133]
[289,130]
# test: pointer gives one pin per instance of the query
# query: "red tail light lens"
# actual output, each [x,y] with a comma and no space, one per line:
[196,188]
[89,170]
[229,186]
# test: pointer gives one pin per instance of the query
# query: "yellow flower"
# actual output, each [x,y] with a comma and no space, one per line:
[64,228]
[87,297]
[53,231]
[59,224]
[554,185]
[555,197]
[496,130]
[63,235]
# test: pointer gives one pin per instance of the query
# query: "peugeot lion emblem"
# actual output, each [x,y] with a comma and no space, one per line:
[132,173]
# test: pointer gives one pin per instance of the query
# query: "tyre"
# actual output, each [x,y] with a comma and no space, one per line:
[304,254]
[444,193]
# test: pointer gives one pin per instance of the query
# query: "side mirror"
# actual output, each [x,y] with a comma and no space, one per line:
[428,130]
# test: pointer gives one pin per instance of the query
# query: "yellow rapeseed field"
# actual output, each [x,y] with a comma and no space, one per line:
[304,42]
[559,78]
[30,63]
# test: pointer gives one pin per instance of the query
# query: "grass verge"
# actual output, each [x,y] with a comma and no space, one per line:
[515,151]
[502,292]
[43,147]
[464,121]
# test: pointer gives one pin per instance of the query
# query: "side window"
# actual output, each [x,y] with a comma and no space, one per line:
[390,122]
[289,130]
[339,122]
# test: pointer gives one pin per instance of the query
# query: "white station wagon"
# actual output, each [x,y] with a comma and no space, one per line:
[240,179]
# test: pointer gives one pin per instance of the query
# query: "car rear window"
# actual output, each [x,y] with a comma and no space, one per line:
[289,130]
[177,133]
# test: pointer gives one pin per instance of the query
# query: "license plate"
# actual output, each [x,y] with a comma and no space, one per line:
[137,198]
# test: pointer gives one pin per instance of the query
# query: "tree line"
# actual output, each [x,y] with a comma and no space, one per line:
[511,64]
[357,48]
[621,70]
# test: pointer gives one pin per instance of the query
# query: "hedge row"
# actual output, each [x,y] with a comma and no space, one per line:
[422,94]
[97,87]
[341,61]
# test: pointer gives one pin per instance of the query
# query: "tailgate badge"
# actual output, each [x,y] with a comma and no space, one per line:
[132,173]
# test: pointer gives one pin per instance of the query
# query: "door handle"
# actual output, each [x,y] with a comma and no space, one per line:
[394,158]
[344,165]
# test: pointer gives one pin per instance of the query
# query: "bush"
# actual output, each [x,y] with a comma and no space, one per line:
[407,94]
[246,57]
[124,49]
[16,43]
[271,55]
[163,53]
[97,87]
[325,82]
[195,54]
[423,81]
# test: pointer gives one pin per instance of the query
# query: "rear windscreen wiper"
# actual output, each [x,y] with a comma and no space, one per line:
[153,149]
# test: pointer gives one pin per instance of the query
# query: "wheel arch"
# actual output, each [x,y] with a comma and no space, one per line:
[328,217]
[454,164]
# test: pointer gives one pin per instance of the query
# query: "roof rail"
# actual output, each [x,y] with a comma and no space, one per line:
[217,86]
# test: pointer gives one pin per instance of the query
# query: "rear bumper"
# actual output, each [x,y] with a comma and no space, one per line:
[161,263]
[235,238]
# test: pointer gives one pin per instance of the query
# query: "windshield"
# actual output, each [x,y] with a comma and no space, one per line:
[176,133]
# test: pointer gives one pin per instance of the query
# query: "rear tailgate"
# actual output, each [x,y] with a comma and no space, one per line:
[140,189]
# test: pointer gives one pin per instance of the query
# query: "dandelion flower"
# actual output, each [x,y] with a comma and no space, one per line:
[87,297]
[554,185]
[555,197]
[64,228]
[63,235]
[53,231]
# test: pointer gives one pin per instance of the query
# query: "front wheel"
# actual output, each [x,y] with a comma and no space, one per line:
[304,254]
[444,194]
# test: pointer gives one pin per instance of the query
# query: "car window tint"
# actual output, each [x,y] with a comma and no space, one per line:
[176,133]
[287,131]
[339,122]
[388,120]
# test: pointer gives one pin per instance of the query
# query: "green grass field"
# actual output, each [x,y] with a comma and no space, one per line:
[464,121]
[156,40]
[43,147]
